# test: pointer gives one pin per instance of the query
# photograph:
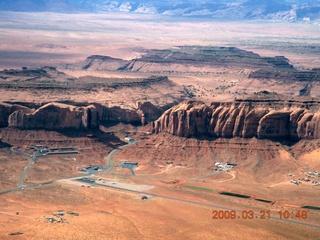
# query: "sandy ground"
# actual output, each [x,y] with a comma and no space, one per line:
[107,214]
[172,210]
[101,182]
[259,173]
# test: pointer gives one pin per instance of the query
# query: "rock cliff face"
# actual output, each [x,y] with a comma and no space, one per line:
[239,119]
[49,116]
[53,116]
[7,109]
[148,111]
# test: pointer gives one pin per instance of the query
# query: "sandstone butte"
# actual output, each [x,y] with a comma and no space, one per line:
[241,119]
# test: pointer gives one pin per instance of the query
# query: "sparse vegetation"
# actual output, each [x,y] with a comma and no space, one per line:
[263,200]
[311,207]
[235,194]
[200,188]
[105,212]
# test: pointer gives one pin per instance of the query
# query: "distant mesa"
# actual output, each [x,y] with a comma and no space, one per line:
[287,75]
[202,60]
[168,60]
[98,62]
[44,75]
[51,46]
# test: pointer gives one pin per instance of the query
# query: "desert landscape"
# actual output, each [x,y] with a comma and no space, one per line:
[139,126]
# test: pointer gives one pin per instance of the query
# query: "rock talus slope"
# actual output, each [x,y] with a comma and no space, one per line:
[239,119]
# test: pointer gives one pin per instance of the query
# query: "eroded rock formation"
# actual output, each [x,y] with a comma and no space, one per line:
[53,116]
[7,109]
[239,119]
[49,116]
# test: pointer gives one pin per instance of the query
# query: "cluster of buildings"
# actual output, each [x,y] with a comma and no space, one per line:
[314,173]
[90,168]
[298,181]
[224,167]
[59,217]
[45,150]
[307,179]
[128,164]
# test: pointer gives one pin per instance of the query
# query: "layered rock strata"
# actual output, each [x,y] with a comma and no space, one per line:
[239,119]
[54,115]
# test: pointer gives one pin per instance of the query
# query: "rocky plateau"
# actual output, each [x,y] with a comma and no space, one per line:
[209,61]
[182,59]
